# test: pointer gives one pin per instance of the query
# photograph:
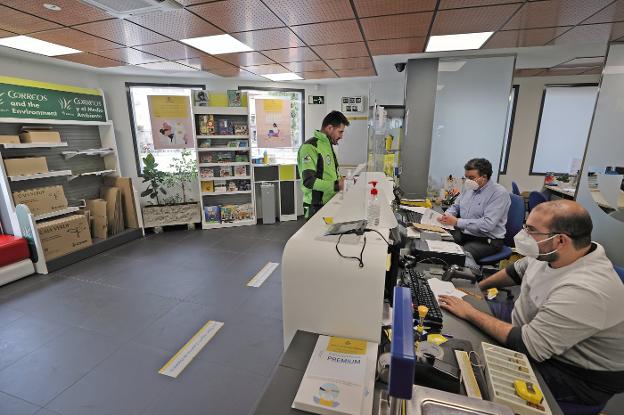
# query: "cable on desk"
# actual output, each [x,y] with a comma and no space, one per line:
[358,259]
[433,257]
[378,233]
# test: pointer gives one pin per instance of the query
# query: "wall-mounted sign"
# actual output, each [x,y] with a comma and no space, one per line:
[316,99]
[353,104]
[22,98]
[172,126]
[273,123]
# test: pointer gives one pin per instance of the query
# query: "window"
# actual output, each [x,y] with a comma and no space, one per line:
[280,155]
[565,119]
[511,114]
[141,125]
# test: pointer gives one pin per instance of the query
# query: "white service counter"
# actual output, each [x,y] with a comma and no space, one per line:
[324,293]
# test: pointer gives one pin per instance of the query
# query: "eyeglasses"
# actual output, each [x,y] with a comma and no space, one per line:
[532,232]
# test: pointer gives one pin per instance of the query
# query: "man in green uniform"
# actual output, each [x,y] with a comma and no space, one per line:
[318,165]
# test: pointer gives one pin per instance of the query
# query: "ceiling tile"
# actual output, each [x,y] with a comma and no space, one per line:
[237,15]
[472,20]
[291,54]
[523,38]
[246,59]
[592,33]
[594,71]
[403,25]
[269,39]
[230,72]
[4,33]
[177,24]
[457,4]
[329,33]
[166,66]
[266,69]
[129,55]
[317,75]
[73,11]
[191,2]
[583,62]
[520,73]
[122,31]
[310,66]
[91,60]
[552,13]
[612,13]
[367,8]
[397,46]
[295,12]
[562,71]
[172,51]
[207,63]
[351,63]
[22,23]
[356,72]
[343,50]
[75,39]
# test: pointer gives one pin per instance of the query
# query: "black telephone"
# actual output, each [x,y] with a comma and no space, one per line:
[441,372]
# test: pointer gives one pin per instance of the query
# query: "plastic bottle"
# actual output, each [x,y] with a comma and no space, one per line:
[265,157]
[348,183]
[373,209]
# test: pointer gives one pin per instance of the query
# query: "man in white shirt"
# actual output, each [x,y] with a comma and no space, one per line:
[568,317]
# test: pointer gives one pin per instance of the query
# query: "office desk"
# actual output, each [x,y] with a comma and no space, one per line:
[561,192]
[281,391]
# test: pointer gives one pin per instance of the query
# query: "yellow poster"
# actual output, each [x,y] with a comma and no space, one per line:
[172,127]
[273,123]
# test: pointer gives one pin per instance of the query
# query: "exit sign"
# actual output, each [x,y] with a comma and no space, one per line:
[316,99]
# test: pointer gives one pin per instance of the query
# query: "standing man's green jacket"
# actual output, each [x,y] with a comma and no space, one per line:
[318,168]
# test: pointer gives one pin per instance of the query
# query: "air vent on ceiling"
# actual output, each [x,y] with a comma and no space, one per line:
[125,8]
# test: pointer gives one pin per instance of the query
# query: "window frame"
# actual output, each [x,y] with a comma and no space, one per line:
[131,112]
[539,121]
[507,149]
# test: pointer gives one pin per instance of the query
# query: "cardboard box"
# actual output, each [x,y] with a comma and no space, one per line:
[32,135]
[127,198]
[42,199]
[25,165]
[61,236]
[13,139]
[99,221]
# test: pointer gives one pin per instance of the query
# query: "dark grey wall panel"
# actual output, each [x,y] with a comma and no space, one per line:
[287,197]
[420,96]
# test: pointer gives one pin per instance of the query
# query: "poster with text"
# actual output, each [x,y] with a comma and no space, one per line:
[172,127]
[273,123]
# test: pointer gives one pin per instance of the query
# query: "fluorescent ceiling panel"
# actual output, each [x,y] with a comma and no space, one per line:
[287,76]
[30,44]
[464,41]
[216,45]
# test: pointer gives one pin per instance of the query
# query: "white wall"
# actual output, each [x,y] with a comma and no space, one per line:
[525,128]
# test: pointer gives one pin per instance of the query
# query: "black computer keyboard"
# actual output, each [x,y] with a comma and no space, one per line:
[411,217]
[422,295]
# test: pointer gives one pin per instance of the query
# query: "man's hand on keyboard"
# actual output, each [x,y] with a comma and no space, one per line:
[456,306]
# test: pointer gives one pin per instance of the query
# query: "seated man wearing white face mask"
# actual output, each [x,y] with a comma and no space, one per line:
[568,317]
[480,212]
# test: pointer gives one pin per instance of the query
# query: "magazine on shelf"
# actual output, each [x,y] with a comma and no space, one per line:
[339,377]
[240,171]
[207,186]
[206,172]
[225,171]
[234,98]
[212,214]
[225,127]
[201,98]
[232,186]
[241,129]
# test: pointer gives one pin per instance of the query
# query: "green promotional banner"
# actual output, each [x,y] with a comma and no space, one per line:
[21,98]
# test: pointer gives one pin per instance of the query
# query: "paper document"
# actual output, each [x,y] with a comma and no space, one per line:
[440,287]
[413,233]
[430,217]
[445,246]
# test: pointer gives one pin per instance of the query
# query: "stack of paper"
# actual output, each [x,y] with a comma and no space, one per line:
[430,217]
[339,378]
[444,246]
[440,287]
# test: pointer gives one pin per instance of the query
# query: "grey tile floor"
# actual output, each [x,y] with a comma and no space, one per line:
[89,339]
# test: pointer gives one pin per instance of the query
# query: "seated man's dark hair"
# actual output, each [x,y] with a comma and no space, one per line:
[335,118]
[482,165]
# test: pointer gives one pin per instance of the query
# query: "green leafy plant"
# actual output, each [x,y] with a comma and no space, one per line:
[183,172]
[154,177]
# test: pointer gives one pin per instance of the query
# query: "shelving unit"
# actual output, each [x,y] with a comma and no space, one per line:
[90,152]
[57,213]
[33,145]
[50,174]
[215,153]
[93,173]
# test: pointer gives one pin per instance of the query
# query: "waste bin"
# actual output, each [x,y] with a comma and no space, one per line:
[267,192]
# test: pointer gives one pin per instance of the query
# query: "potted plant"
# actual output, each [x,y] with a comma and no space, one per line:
[171,192]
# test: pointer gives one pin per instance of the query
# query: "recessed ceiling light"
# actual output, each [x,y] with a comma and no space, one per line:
[286,76]
[464,41]
[216,45]
[52,7]
[30,44]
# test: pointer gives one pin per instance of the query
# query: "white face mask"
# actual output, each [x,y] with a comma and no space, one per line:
[471,184]
[527,246]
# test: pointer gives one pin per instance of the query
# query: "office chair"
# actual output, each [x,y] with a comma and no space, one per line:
[535,198]
[515,219]
[577,409]
[515,189]
[620,271]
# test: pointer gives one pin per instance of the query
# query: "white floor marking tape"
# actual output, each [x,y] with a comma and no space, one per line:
[263,274]
[187,353]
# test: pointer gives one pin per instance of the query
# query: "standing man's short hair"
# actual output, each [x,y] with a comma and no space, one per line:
[483,166]
[335,118]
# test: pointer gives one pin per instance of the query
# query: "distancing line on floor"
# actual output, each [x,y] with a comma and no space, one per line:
[187,353]
[263,274]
